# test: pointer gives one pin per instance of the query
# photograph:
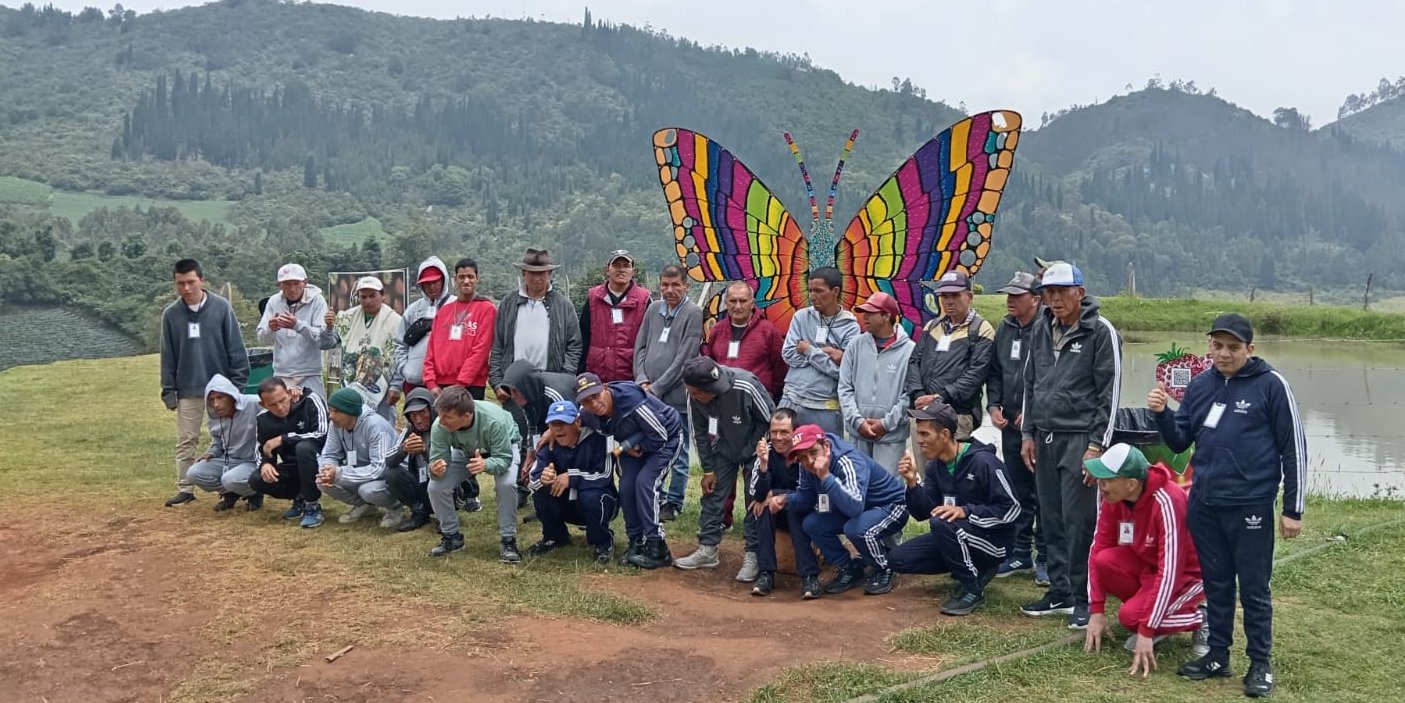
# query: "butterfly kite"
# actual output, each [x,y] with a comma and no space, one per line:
[933,215]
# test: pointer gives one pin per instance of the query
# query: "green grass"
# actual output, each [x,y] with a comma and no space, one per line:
[18,191]
[75,206]
[355,233]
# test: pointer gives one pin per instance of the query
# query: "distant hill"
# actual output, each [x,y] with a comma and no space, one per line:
[1382,123]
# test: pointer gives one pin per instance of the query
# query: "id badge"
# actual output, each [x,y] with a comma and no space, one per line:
[822,503]
[712,426]
[192,330]
[1124,533]
[663,336]
[1212,420]
[822,337]
[1015,350]
[948,501]
[455,332]
[424,472]
[944,343]
[573,495]
[351,457]
[616,317]
[733,349]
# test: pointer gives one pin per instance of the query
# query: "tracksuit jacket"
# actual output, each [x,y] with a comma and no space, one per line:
[372,441]
[306,422]
[743,416]
[781,476]
[640,420]
[871,384]
[855,483]
[1076,386]
[585,463]
[978,483]
[541,388]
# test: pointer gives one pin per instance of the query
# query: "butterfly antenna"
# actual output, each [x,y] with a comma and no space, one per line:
[838,172]
[805,174]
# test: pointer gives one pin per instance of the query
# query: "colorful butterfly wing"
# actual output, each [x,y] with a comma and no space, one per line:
[727,225]
[936,213]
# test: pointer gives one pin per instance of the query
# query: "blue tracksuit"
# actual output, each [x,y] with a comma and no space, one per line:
[653,426]
[780,476]
[864,503]
[1248,437]
[591,500]
[969,545]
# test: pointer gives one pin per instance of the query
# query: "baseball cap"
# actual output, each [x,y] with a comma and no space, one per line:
[621,254]
[368,283]
[588,384]
[562,411]
[1021,284]
[292,272]
[1235,324]
[953,282]
[880,302]
[1119,461]
[1061,274]
[804,437]
[940,413]
[430,273]
[702,372]
[416,402]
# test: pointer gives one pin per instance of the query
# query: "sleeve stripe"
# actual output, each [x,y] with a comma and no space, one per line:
[652,420]
[756,396]
[1299,443]
[1170,558]
[849,482]
[320,406]
[1009,516]
[1116,381]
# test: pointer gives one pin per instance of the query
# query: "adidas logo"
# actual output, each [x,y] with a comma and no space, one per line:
[1242,406]
[736,419]
[1253,522]
[1076,347]
[1214,666]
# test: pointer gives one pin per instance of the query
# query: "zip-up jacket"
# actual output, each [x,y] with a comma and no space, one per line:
[412,336]
[641,420]
[306,422]
[742,415]
[758,350]
[1256,442]
[585,463]
[297,352]
[233,440]
[855,483]
[609,345]
[659,362]
[977,483]
[871,383]
[361,452]
[541,388]
[781,476]
[416,464]
[462,361]
[958,373]
[563,346]
[1161,541]
[813,379]
[1004,386]
[494,433]
[190,356]
[1074,387]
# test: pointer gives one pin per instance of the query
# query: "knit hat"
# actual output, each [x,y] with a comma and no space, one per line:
[347,400]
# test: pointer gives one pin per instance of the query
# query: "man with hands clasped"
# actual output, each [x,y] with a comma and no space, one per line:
[573,483]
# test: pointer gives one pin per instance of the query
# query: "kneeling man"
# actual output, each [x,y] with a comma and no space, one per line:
[572,483]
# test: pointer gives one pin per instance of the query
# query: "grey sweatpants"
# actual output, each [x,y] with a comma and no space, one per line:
[713,504]
[441,494]
[831,421]
[225,476]
[354,493]
[886,454]
[1068,510]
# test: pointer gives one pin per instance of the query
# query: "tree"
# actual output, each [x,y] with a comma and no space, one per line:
[258,183]
[1290,118]
[309,172]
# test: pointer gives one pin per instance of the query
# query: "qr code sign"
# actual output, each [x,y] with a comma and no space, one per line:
[1180,378]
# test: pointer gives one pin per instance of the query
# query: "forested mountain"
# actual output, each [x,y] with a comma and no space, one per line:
[483,136]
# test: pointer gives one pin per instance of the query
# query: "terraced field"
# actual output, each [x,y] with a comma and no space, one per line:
[45,335]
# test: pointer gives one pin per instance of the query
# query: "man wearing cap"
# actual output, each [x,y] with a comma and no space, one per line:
[573,483]
[1004,394]
[1248,438]
[536,322]
[487,436]
[354,460]
[670,336]
[291,434]
[749,341]
[367,340]
[1071,386]
[462,336]
[295,324]
[534,392]
[731,412]
[872,377]
[965,497]
[773,474]
[230,460]
[407,469]
[813,347]
[1142,555]
[650,437]
[844,493]
[200,337]
[610,320]
[412,336]
[952,358]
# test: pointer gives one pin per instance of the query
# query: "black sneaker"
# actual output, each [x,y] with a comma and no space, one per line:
[765,583]
[963,601]
[460,497]
[416,520]
[1048,605]
[845,579]
[1258,683]
[879,582]
[810,587]
[180,499]
[227,501]
[1210,666]
[669,512]
[545,545]
[530,516]
[507,551]
[472,505]
[254,502]
[635,546]
[604,555]
[1078,619]
[449,543]
[653,555]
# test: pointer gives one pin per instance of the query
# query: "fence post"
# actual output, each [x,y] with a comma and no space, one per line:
[1366,299]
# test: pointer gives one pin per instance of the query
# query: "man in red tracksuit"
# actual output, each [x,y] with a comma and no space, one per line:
[1142,554]
[462,337]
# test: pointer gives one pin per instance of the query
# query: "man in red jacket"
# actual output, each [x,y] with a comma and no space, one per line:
[462,337]
[610,320]
[1142,554]
[747,340]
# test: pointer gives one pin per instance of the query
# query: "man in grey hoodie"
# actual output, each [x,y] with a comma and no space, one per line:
[233,454]
[813,348]
[354,458]
[412,336]
[872,379]
[294,323]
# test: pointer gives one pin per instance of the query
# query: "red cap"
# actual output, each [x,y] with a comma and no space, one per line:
[804,437]
[880,302]
[431,273]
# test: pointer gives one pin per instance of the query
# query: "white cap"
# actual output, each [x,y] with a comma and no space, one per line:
[370,282]
[292,272]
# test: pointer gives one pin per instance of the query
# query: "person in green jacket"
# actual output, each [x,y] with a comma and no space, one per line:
[489,439]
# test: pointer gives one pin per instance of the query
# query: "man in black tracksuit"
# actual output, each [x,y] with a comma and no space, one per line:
[291,433]
[952,357]
[731,412]
[1071,394]
[1244,423]
[407,469]
[772,472]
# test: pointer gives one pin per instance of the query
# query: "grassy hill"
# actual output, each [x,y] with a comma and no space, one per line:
[1382,123]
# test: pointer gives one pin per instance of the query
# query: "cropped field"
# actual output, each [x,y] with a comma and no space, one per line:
[74,206]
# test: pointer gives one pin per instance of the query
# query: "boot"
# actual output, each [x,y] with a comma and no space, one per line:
[653,555]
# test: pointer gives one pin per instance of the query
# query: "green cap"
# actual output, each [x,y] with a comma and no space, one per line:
[1119,461]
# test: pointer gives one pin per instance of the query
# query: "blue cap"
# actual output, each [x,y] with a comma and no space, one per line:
[562,411]
[1061,274]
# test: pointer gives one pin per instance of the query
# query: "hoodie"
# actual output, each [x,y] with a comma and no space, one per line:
[361,451]
[977,482]
[195,345]
[872,383]
[855,483]
[233,440]
[1074,385]
[813,380]
[417,464]
[740,417]
[541,388]
[297,353]
[459,357]
[1256,442]
[412,335]
[493,433]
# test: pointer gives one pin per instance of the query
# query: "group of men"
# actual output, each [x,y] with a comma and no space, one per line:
[597,409]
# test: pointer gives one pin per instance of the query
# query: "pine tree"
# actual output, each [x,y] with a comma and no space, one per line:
[309,172]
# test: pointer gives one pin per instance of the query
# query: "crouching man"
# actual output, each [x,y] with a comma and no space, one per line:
[353,460]
[487,435]
[407,470]
[292,432]
[772,474]
[572,483]
[229,462]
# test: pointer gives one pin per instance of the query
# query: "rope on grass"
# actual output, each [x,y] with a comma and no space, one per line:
[945,674]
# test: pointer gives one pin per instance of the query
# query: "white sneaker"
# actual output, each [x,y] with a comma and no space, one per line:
[1200,641]
[392,517]
[751,568]
[356,513]
[704,558]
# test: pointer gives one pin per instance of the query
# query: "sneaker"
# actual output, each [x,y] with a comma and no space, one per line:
[1041,574]
[810,587]
[507,551]
[447,544]
[1131,643]
[635,547]
[751,568]
[415,521]
[544,545]
[963,601]
[294,512]
[180,498]
[1200,641]
[356,513]
[254,502]
[669,512]
[393,517]
[472,505]
[1015,565]
[227,501]
[1047,605]
[765,583]
[1210,666]
[311,515]
[605,554]
[879,582]
[654,554]
[845,578]
[704,558]
[1078,619]
[1258,683]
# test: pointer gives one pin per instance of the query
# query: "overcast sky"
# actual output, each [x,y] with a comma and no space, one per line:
[1028,55]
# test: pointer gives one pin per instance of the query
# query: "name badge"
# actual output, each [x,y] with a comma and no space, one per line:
[455,332]
[1212,420]
[712,426]
[1015,350]
[351,457]
[663,336]
[734,349]
[822,503]
[948,501]
[616,317]
[944,343]
[192,330]
[573,495]
[424,472]
[1124,533]
[822,336]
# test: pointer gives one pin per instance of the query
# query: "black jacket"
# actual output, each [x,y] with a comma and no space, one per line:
[742,416]
[1004,386]
[958,373]
[306,422]
[1076,387]
[780,475]
[541,388]
[977,483]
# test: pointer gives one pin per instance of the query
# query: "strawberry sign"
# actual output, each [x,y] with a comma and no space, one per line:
[1176,367]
